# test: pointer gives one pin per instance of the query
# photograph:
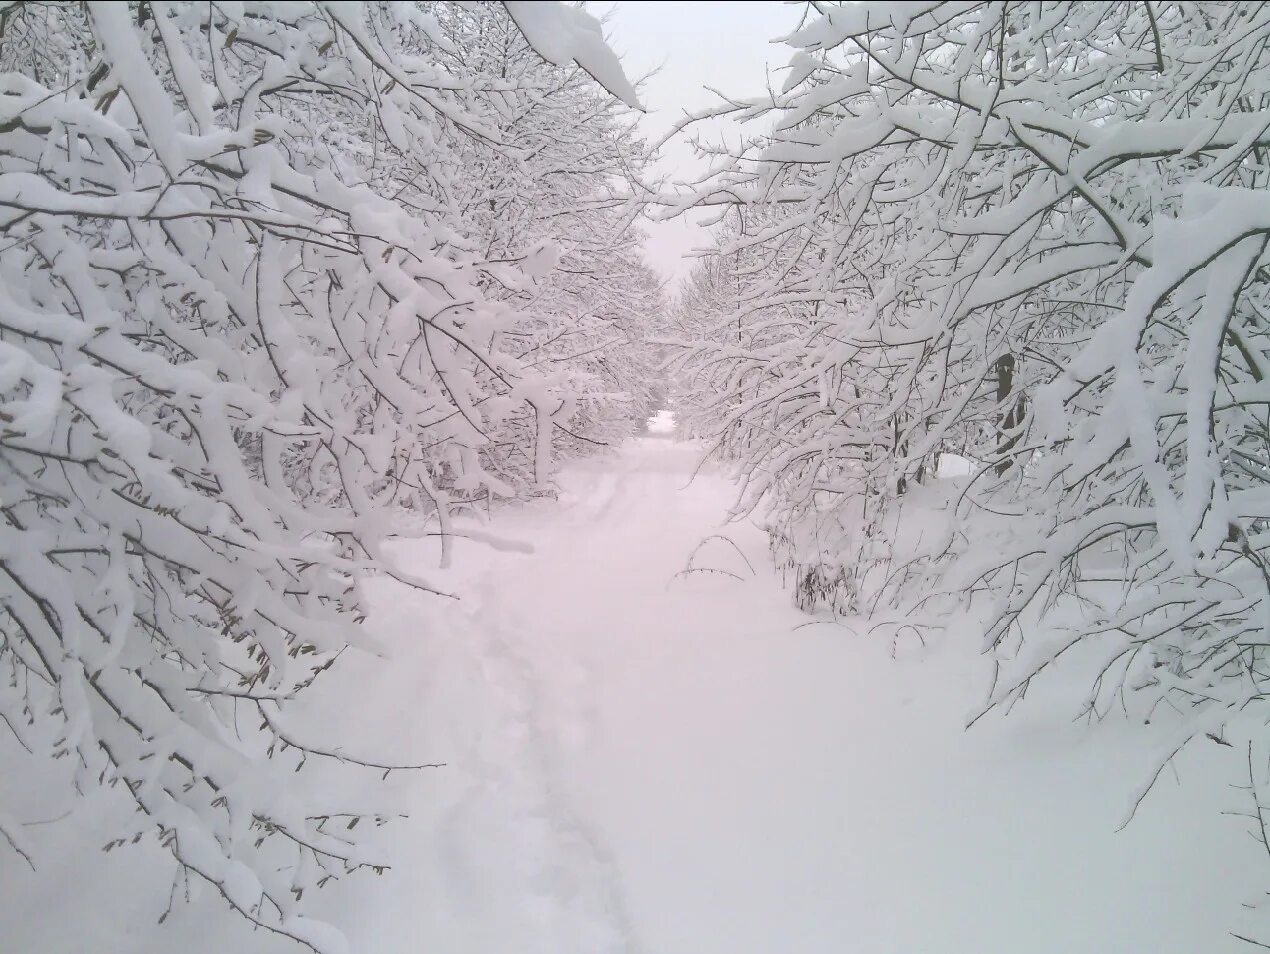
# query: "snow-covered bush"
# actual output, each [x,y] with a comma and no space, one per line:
[564,189]
[1033,234]
[242,318]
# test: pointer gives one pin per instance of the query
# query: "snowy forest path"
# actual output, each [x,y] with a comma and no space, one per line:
[645,725]
[720,774]
[643,762]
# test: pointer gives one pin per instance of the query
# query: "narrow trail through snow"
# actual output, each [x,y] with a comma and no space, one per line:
[706,774]
[644,763]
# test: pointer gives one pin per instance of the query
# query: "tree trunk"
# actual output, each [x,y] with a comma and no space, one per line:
[1008,432]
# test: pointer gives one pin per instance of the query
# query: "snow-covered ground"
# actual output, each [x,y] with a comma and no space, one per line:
[663,422]
[640,761]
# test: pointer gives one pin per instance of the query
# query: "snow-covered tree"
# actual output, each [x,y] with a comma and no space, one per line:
[243,317]
[1034,234]
[564,190]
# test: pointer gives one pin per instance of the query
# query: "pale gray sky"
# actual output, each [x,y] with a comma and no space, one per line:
[726,45]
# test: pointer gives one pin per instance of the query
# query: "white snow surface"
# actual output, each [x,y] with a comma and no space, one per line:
[663,422]
[563,34]
[647,763]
